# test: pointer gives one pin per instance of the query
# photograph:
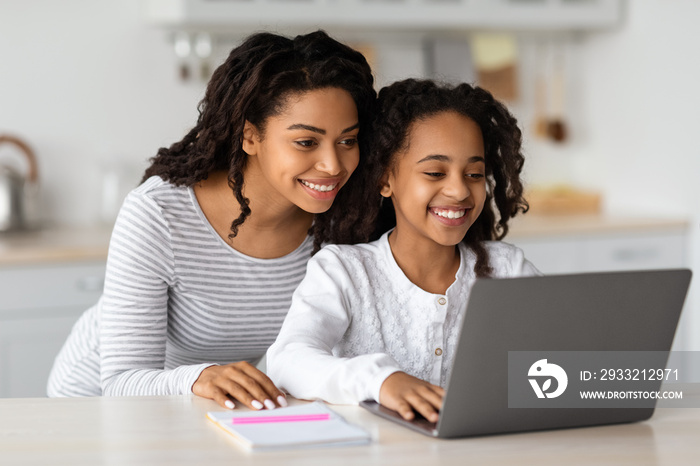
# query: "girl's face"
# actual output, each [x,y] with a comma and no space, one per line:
[307,152]
[438,184]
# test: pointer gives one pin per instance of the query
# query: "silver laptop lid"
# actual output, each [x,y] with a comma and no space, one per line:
[611,311]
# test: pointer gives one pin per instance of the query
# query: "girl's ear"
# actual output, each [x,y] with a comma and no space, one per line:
[385,185]
[250,139]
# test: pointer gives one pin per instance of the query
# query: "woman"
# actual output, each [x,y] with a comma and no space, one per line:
[207,251]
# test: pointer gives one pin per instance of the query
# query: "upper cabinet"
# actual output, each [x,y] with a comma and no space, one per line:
[243,16]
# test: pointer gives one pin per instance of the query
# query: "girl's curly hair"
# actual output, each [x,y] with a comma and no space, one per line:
[406,102]
[255,83]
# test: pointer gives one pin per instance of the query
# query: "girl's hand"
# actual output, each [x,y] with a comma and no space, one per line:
[239,380]
[404,393]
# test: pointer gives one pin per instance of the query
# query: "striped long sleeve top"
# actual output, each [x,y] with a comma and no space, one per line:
[177,299]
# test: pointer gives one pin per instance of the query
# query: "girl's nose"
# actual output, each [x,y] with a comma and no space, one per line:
[329,162]
[457,188]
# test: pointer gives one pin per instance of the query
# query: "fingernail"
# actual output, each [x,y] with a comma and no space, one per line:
[229,404]
[269,404]
[282,401]
[256,404]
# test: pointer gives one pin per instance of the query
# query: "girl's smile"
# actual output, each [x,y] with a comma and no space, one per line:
[452,216]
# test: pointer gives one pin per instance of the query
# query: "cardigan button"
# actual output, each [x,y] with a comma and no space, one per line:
[442,301]
[438,351]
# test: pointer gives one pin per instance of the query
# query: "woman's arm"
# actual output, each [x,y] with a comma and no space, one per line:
[134,321]
[134,314]
[302,361]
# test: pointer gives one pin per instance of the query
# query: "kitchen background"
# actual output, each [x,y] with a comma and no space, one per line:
[95,87]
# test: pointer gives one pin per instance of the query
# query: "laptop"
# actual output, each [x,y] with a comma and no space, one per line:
[606,313]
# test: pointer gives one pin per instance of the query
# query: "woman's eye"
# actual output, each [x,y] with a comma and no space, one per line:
[349,142]
[306,143]
[434,174]
[476,176]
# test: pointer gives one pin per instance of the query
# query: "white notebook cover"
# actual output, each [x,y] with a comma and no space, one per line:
[298,434]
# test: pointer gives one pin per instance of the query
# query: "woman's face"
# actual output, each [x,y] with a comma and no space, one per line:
[307,152]
[438,184]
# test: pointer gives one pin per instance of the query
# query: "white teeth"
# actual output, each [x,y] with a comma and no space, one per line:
[320,187]
[450,213]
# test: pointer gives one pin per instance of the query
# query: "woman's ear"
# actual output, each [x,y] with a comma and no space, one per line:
[250,139]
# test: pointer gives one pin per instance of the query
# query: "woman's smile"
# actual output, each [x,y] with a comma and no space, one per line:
[322,189]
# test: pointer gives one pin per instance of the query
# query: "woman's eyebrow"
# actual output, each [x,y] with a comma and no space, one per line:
[307,127]
[319,130]
[347,130]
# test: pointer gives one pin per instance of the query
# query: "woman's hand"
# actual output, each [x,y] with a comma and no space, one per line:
[239,380]
[404,393]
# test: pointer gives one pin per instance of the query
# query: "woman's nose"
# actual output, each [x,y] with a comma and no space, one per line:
[329,162]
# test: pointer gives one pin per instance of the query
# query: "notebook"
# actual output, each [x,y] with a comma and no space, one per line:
[302,426]
[607,313]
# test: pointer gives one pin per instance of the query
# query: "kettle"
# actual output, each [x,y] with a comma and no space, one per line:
[19,194]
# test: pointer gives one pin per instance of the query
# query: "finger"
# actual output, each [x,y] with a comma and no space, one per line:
[439,390]
[425,408]
[220,397]
[240,393]
[267,385]
[256,391]
[405,410]
[431,396]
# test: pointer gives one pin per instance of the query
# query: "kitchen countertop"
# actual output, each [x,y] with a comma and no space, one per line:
[55,244]
[556,225]
[66,244]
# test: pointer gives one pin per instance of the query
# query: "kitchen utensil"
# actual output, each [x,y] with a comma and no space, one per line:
[183,47]
[203,49]
[540,111]
[19,194]
[557,128]
[496,61]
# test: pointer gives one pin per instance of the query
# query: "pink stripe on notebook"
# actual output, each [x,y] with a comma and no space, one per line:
[291,418]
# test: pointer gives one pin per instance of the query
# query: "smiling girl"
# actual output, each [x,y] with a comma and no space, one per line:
[207,251]
[380,320]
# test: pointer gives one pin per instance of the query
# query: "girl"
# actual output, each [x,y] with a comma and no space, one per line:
[206,253]
[380,320]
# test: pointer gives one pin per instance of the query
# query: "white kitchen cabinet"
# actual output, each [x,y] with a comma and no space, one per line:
[39,304]
[611,247]
[383,15]
[632,250]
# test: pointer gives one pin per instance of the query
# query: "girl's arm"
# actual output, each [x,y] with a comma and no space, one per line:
[302,361]
[134,313]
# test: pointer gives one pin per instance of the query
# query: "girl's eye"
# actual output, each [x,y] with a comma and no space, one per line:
[434,174]
[475,176]
[306,143]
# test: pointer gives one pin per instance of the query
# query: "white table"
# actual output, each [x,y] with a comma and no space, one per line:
[173,430]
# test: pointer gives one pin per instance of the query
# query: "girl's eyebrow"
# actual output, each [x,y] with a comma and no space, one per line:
[445,158]
[320,130]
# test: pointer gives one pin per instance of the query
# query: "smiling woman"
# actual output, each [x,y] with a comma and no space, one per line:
[206,253]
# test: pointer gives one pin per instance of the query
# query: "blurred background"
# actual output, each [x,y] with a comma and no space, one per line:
[605,91]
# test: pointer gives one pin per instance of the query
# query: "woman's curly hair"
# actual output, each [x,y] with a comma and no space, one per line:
[404,103]
[255,83]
